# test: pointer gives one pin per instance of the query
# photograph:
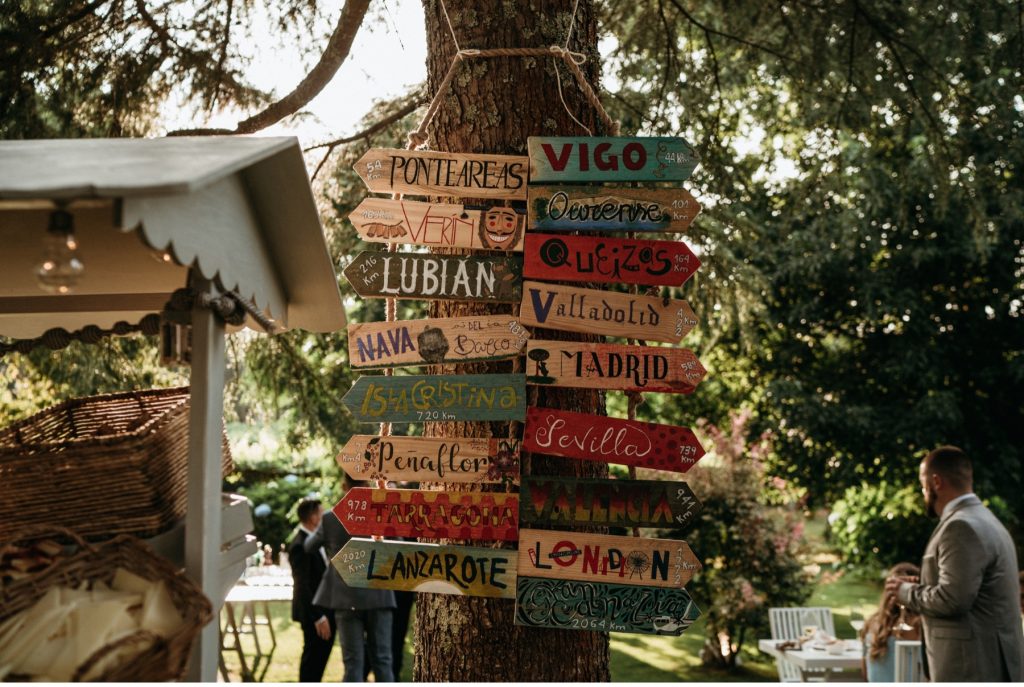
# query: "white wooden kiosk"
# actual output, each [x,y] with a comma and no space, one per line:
[235,213]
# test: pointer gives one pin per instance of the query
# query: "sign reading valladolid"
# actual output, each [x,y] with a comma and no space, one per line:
[434,173]
[437,398]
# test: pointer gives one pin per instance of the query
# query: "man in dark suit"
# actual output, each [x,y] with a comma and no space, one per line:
[967,594]
[318,625]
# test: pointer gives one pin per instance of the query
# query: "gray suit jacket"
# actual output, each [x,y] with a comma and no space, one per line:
[333,592]
[969,598]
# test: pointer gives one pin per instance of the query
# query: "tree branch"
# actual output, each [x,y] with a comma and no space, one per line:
[743,41]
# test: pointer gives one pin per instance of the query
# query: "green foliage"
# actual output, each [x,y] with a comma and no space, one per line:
[876,526]
[282,495]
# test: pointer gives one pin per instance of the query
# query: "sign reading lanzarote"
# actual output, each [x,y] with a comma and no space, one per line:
[490,279]
[610,208]
[424,342]
[411,222]
[615,261]
[613,366]
[430,459]
[434,173]
[437,398]
[566,160]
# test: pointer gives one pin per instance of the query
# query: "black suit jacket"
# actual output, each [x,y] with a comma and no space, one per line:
[307,571]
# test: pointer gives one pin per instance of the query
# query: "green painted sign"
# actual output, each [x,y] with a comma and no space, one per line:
[570,160]
[437,398]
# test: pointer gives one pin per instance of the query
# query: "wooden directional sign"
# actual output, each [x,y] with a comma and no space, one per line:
[488,516]
[605,312]
[610,208]
[608,440]
[436,224]
[491,279]
[616,261]
[437,398]
[428,459]
[465,570]
[434,173]
[572,605]
[607,558]
[613,366]
[579,502]
[422,342]
[568,160]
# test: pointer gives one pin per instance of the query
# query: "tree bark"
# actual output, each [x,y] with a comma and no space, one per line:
[493,106]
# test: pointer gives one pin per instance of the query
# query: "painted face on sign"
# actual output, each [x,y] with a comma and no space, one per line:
[500,229]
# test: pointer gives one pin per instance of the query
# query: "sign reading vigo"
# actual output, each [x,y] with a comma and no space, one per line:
[568,160]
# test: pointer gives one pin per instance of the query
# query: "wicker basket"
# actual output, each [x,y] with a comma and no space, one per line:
[160,659]
[103,465]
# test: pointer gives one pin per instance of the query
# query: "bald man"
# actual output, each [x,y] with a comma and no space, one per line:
[967,594]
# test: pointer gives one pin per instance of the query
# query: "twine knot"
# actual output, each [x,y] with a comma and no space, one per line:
[578,58]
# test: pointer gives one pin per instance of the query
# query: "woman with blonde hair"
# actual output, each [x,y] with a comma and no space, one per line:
[890,622]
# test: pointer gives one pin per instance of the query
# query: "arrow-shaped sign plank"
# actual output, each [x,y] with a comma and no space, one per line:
[488,279]
[434,173]
[610,208]
[437,398]
[639,561]
[595,606]
[487,516]
[613,366]
[436,568]
[604,260]
[592,311]
[568,160]
[609,440]
[411,222]
[429,459]
[425,342]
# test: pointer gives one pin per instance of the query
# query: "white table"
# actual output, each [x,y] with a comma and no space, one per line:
[816,659]
[247,607]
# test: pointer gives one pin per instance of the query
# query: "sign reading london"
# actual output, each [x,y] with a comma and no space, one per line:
[437,224]
[437,398]
[616,261]
[422,342]
[430,459]
[488,279]
[434,173]
[564,159]
[613,366]
[610,208]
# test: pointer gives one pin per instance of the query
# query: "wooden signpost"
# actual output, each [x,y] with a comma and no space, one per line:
[609,440]
[579,502]
[440,569]
[437,398]
[488,516]
[429,459]
[566,160]
[491,279]
[434,173]
[610,208]
[572,605]
[423,342]
[640,561]
[437,224]
[605,312]
[613,366]
[616,261]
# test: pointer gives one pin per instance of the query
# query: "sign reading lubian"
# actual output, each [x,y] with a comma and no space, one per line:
[570,160]
[614,261]
[424,342]
[437,224]
[433,173]
[610,208]
[430,459]
[437,398]
[374,274]
[440,569]
[613,366]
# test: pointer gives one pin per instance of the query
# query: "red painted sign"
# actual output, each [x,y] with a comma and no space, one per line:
[608,440]
[491,516]
[608,260]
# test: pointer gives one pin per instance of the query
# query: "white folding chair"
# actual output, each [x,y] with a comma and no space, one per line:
[789,623]
[908,661]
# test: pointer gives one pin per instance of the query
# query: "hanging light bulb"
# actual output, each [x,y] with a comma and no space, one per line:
[60,267]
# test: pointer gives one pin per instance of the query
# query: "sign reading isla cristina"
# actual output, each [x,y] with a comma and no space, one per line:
[430,459]
[435,173]
[436,224]
[437,398]
[423,342]
[609,440]
[489,516]
[435,568]
[610,208]
[592,311]
[490,279]
[616,261]
[568,159]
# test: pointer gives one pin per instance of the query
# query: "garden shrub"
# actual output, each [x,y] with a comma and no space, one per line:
[875,526]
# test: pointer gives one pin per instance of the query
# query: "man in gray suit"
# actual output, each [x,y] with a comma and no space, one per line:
[967,594]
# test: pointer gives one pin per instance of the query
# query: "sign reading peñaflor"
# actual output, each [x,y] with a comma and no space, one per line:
[436,224]
[613,366]
[610,208]
[423,342]
[616,261]
[430,459]
[433,173]
[592,311]
[437,398]
[579,502]
[568,160]
[436,568]
[573,605]
[610,440]
[489,516]
[606,558]
[490,279]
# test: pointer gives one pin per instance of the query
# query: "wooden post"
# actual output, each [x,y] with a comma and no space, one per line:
[202,521]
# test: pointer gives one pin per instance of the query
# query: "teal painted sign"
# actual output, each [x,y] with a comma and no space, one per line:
[569,160]
[437,398]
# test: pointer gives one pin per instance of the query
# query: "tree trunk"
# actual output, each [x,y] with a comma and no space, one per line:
[493,106]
